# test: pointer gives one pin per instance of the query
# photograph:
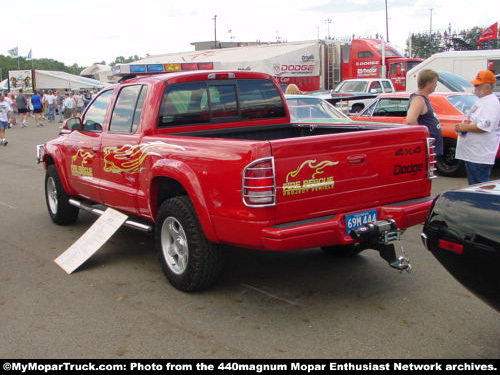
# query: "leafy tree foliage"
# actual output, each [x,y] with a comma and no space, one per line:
[123,60]
[10,63]
[424,44]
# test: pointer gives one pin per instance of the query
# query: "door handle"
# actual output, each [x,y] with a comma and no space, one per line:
[356,159]
[95,148]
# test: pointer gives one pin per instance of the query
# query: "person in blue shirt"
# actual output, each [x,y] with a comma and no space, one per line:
[36,102]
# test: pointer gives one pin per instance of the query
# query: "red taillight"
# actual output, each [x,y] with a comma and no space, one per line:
[452,246]
[432,158]
[259,183]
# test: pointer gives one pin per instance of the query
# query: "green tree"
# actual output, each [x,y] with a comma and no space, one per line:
[424,45]
[10,63]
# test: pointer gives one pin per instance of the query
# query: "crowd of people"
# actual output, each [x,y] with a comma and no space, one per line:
[42,106]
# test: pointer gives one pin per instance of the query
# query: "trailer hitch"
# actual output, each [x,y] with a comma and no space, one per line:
[380,236]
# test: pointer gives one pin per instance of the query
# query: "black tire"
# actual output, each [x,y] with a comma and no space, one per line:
[190,262]
[342,251]
[57,200]
[446,164]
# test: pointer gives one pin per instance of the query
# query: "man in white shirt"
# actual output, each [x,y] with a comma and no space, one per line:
[478,138]
[5,108]
[51,105]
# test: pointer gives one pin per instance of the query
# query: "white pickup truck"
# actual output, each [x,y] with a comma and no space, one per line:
[355,94]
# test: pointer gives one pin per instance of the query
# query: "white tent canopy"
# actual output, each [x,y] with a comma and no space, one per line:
[50,79]
[98,71]
[267,58]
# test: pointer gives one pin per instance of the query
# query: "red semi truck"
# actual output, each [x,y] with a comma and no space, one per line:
[312,65]
[210,157]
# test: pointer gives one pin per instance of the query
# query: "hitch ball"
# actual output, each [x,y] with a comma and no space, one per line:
[373,230]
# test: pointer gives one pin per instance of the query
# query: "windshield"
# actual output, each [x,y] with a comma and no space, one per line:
[453,82]
[389,51]
[412,64]
[352,86]
[463,102]
[305,109]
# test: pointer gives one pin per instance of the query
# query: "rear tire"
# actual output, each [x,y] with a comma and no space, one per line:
[189,261]
[446,164]
[342,251]
[57,200]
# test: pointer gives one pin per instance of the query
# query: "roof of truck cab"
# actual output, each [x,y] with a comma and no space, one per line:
[195,74]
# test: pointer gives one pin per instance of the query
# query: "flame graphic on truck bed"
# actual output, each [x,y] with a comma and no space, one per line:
[130,159]
[313,183]
[310,163]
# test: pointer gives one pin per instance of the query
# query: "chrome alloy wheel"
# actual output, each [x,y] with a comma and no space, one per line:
[174,245]
[52,195]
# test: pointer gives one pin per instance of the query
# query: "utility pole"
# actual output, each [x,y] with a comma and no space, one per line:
[430,27]
[215,31]
[386,23]
[328,22]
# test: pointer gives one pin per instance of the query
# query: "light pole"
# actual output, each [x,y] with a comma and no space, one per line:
[328,22]
[215,31]
[386,23]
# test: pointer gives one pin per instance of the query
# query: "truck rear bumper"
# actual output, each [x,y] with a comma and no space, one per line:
[317,232]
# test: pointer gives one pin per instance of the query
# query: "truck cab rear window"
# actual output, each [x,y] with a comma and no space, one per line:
[206,102]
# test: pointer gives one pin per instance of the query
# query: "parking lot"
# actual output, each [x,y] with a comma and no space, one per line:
[301,304]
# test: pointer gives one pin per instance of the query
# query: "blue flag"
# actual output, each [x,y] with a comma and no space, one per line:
[29,56]
[13,52]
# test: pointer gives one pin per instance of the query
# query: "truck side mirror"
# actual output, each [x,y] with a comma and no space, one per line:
[73,123]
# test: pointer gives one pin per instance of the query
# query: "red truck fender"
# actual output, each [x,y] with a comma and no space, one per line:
[53,155]
[188,180]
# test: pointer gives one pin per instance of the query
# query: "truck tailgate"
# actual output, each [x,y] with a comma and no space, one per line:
[340,173]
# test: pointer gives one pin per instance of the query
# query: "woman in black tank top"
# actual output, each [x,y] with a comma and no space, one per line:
[420,111]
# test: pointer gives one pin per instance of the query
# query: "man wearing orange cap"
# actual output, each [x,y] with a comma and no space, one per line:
[478,138]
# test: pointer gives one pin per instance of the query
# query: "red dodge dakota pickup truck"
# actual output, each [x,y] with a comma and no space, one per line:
[210,157]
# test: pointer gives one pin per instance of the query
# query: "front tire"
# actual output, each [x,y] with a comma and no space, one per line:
[57,200]
[189,261]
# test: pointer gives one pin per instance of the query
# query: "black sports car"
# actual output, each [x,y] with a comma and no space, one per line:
[463,233]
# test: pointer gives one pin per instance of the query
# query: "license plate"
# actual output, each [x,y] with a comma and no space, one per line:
[359,219]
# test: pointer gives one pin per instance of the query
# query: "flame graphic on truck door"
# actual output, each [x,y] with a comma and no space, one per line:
[78,164]
[130,159]
[312,183]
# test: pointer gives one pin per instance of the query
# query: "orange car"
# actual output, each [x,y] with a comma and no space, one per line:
[450,108]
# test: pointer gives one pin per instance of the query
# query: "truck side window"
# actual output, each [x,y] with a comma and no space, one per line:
[365,54]
[127,111]
[375,87]
[138,108]
[96,114]
[259,99]
[184,103]
[387,86]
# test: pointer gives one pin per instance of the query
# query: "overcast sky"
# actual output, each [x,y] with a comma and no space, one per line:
[97,30]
